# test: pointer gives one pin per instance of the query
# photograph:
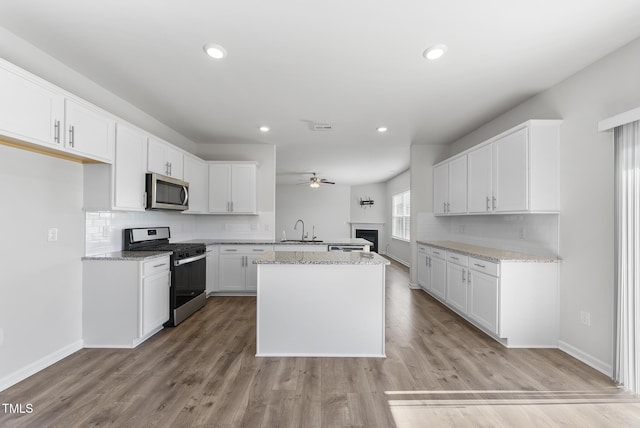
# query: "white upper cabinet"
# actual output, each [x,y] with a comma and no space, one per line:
[36,112]
[129,169]
[120,186]
[164,159]
[196,173]
[450,187]
[232,188]
[510,172]
[243,188]
[88,131]
[514,172]
[440,188]
[479,179]
[30,110]
[458,185]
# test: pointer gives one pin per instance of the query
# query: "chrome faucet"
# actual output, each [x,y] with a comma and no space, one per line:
[295,227]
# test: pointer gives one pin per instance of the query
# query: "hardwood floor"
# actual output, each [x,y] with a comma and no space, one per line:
[439,372]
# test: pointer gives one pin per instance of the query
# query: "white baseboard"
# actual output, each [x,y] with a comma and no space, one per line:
[402,262]
[414,286]
[41,364]
[589,360]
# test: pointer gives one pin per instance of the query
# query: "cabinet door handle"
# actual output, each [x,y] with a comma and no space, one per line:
[258,250]
[230,250]
[469,278]
[231,206]
[464,276]
[455,258]
[444,207]
[160,265]
[56,132]
[494,203]
[488,203]
[479,265]
[72,143]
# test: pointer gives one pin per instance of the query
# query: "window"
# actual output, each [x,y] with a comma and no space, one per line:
[401,216]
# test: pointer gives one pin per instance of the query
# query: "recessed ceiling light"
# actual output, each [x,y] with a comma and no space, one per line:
[264,128]
[382,129]
[215,51]
[435,52]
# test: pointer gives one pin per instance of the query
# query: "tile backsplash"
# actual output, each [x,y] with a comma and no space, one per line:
[103,229]
[528,233]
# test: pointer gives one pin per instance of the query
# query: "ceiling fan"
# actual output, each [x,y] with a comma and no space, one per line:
[316,181]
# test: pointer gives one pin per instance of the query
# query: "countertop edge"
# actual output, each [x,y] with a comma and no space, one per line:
[127,256]
[476,251]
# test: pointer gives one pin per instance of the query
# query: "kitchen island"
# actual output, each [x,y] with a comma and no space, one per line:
[321,304]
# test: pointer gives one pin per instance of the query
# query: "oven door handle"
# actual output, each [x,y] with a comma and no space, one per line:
[189,260]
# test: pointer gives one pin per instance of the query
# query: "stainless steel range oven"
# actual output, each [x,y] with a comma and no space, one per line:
[188,269]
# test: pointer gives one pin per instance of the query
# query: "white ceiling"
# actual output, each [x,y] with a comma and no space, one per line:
[353,64]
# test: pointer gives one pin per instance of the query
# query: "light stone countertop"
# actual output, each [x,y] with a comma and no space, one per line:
[128,255]
[321,258]
[490,254]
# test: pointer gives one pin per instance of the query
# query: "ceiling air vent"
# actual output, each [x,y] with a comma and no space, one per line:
[321,127]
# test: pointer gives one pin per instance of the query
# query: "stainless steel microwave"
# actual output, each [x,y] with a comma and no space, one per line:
[166,193]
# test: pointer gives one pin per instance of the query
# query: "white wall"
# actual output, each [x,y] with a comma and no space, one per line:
[397,249]
[326,207]
[608,87]
[41,286]
[422,159]
[372,217]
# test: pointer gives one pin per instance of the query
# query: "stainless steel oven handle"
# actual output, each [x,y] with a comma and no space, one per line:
[189,260]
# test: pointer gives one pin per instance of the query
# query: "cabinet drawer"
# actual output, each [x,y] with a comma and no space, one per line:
[437,252]
[245,249]
[152,267]
[258,249]
[484,266]
[423,248]
[457,258]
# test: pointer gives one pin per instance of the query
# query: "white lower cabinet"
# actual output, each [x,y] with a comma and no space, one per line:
[124,301]
[457,287]
[424,271]
[483,295]
[237,272]
[516,302]
[438,278]
[213,263]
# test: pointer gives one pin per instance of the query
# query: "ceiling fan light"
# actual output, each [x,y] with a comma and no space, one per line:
[314,184]
[264,128]
[382,129]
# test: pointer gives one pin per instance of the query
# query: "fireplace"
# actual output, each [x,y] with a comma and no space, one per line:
[370,235]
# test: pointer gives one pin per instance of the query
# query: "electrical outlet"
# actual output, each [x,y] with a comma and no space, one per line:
[585,318]
[52,234]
